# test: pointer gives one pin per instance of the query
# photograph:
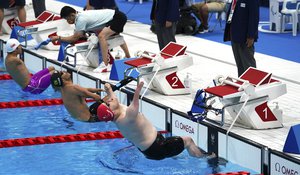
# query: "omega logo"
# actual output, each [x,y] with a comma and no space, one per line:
[285,170]
[185,127]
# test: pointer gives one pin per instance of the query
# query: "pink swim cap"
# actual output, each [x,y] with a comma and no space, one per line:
[104,113]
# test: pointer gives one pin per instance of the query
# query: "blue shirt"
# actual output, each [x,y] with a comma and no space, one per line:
[91,20]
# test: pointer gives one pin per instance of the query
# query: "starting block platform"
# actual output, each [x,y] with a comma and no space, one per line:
[160,70]
[89,51]
[246,98]
[40,29]
[10,20]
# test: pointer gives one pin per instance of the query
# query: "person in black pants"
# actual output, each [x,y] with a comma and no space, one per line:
[242,30]
[100,4]
[165,14]
[39,7]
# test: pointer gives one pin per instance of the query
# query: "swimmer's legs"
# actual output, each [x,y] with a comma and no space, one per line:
[191,147]
[194,150]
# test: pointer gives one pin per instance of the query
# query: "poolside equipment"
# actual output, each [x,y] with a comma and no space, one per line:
[10,20]
[122,83]
[159,71]
[89,51]
[246,98]
[292,143]
[43,43]
[47,24]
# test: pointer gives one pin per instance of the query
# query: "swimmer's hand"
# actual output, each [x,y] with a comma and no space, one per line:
[107,87]
[54,38]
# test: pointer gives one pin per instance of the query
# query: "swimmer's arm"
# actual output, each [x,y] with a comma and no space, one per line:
[85,93]
[95,90]
[133,110]
[110,93]
[17,61]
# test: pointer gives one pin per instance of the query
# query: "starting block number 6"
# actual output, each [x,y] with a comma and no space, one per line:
[12,22]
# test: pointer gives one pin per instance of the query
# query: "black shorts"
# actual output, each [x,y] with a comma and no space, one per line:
[5,3]
[164,147]
[118,22]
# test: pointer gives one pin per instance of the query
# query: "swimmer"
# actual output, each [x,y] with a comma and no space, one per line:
[135,127]
[74,95]
[132,124]
[34,84]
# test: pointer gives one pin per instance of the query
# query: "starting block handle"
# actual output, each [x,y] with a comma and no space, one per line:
[228,80]
[148,56]
[237,79]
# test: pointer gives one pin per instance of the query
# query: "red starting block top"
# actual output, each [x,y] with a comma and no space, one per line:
[253,75]
[222,90]
[170,50]
[44,17]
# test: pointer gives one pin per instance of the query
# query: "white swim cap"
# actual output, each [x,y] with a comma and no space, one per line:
[11,45]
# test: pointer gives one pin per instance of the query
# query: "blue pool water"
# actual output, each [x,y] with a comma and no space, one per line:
[115,156]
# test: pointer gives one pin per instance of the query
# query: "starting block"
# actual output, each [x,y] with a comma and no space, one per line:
[246,98]
[89,51]
[45,25]
[159,71]
[10,20]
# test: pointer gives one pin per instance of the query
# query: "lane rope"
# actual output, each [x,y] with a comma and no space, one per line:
[5,77]
[34,103]
[62,138]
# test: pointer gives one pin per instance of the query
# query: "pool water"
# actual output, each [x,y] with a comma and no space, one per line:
[108,156]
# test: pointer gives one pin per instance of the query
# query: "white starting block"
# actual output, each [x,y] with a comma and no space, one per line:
[89,51]
[160,71]
[45,25]
[246,98]
[10,20]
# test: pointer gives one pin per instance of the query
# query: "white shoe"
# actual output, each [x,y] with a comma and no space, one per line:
[102,68]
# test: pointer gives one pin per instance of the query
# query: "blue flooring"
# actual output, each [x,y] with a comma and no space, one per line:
[282,45]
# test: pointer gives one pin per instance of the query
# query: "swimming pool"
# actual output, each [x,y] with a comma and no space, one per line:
[107,156]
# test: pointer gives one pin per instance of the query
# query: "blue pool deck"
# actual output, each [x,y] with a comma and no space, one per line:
[210,60]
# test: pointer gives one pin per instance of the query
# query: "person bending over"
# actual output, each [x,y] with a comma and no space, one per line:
[104,22]
[35,84]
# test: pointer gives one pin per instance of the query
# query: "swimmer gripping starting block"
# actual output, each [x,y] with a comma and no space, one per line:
[246,98]
[39,30]
[89,51]
[159,71]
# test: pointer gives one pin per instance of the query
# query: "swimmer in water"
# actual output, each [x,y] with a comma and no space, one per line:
[34,84]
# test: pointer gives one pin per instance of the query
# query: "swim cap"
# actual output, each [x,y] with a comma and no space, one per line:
[104,113]
[56,79]
[11,45]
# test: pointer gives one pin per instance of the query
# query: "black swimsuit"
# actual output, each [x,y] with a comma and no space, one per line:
[164,147]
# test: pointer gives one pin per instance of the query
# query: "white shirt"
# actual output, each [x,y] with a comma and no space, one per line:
[91,20]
